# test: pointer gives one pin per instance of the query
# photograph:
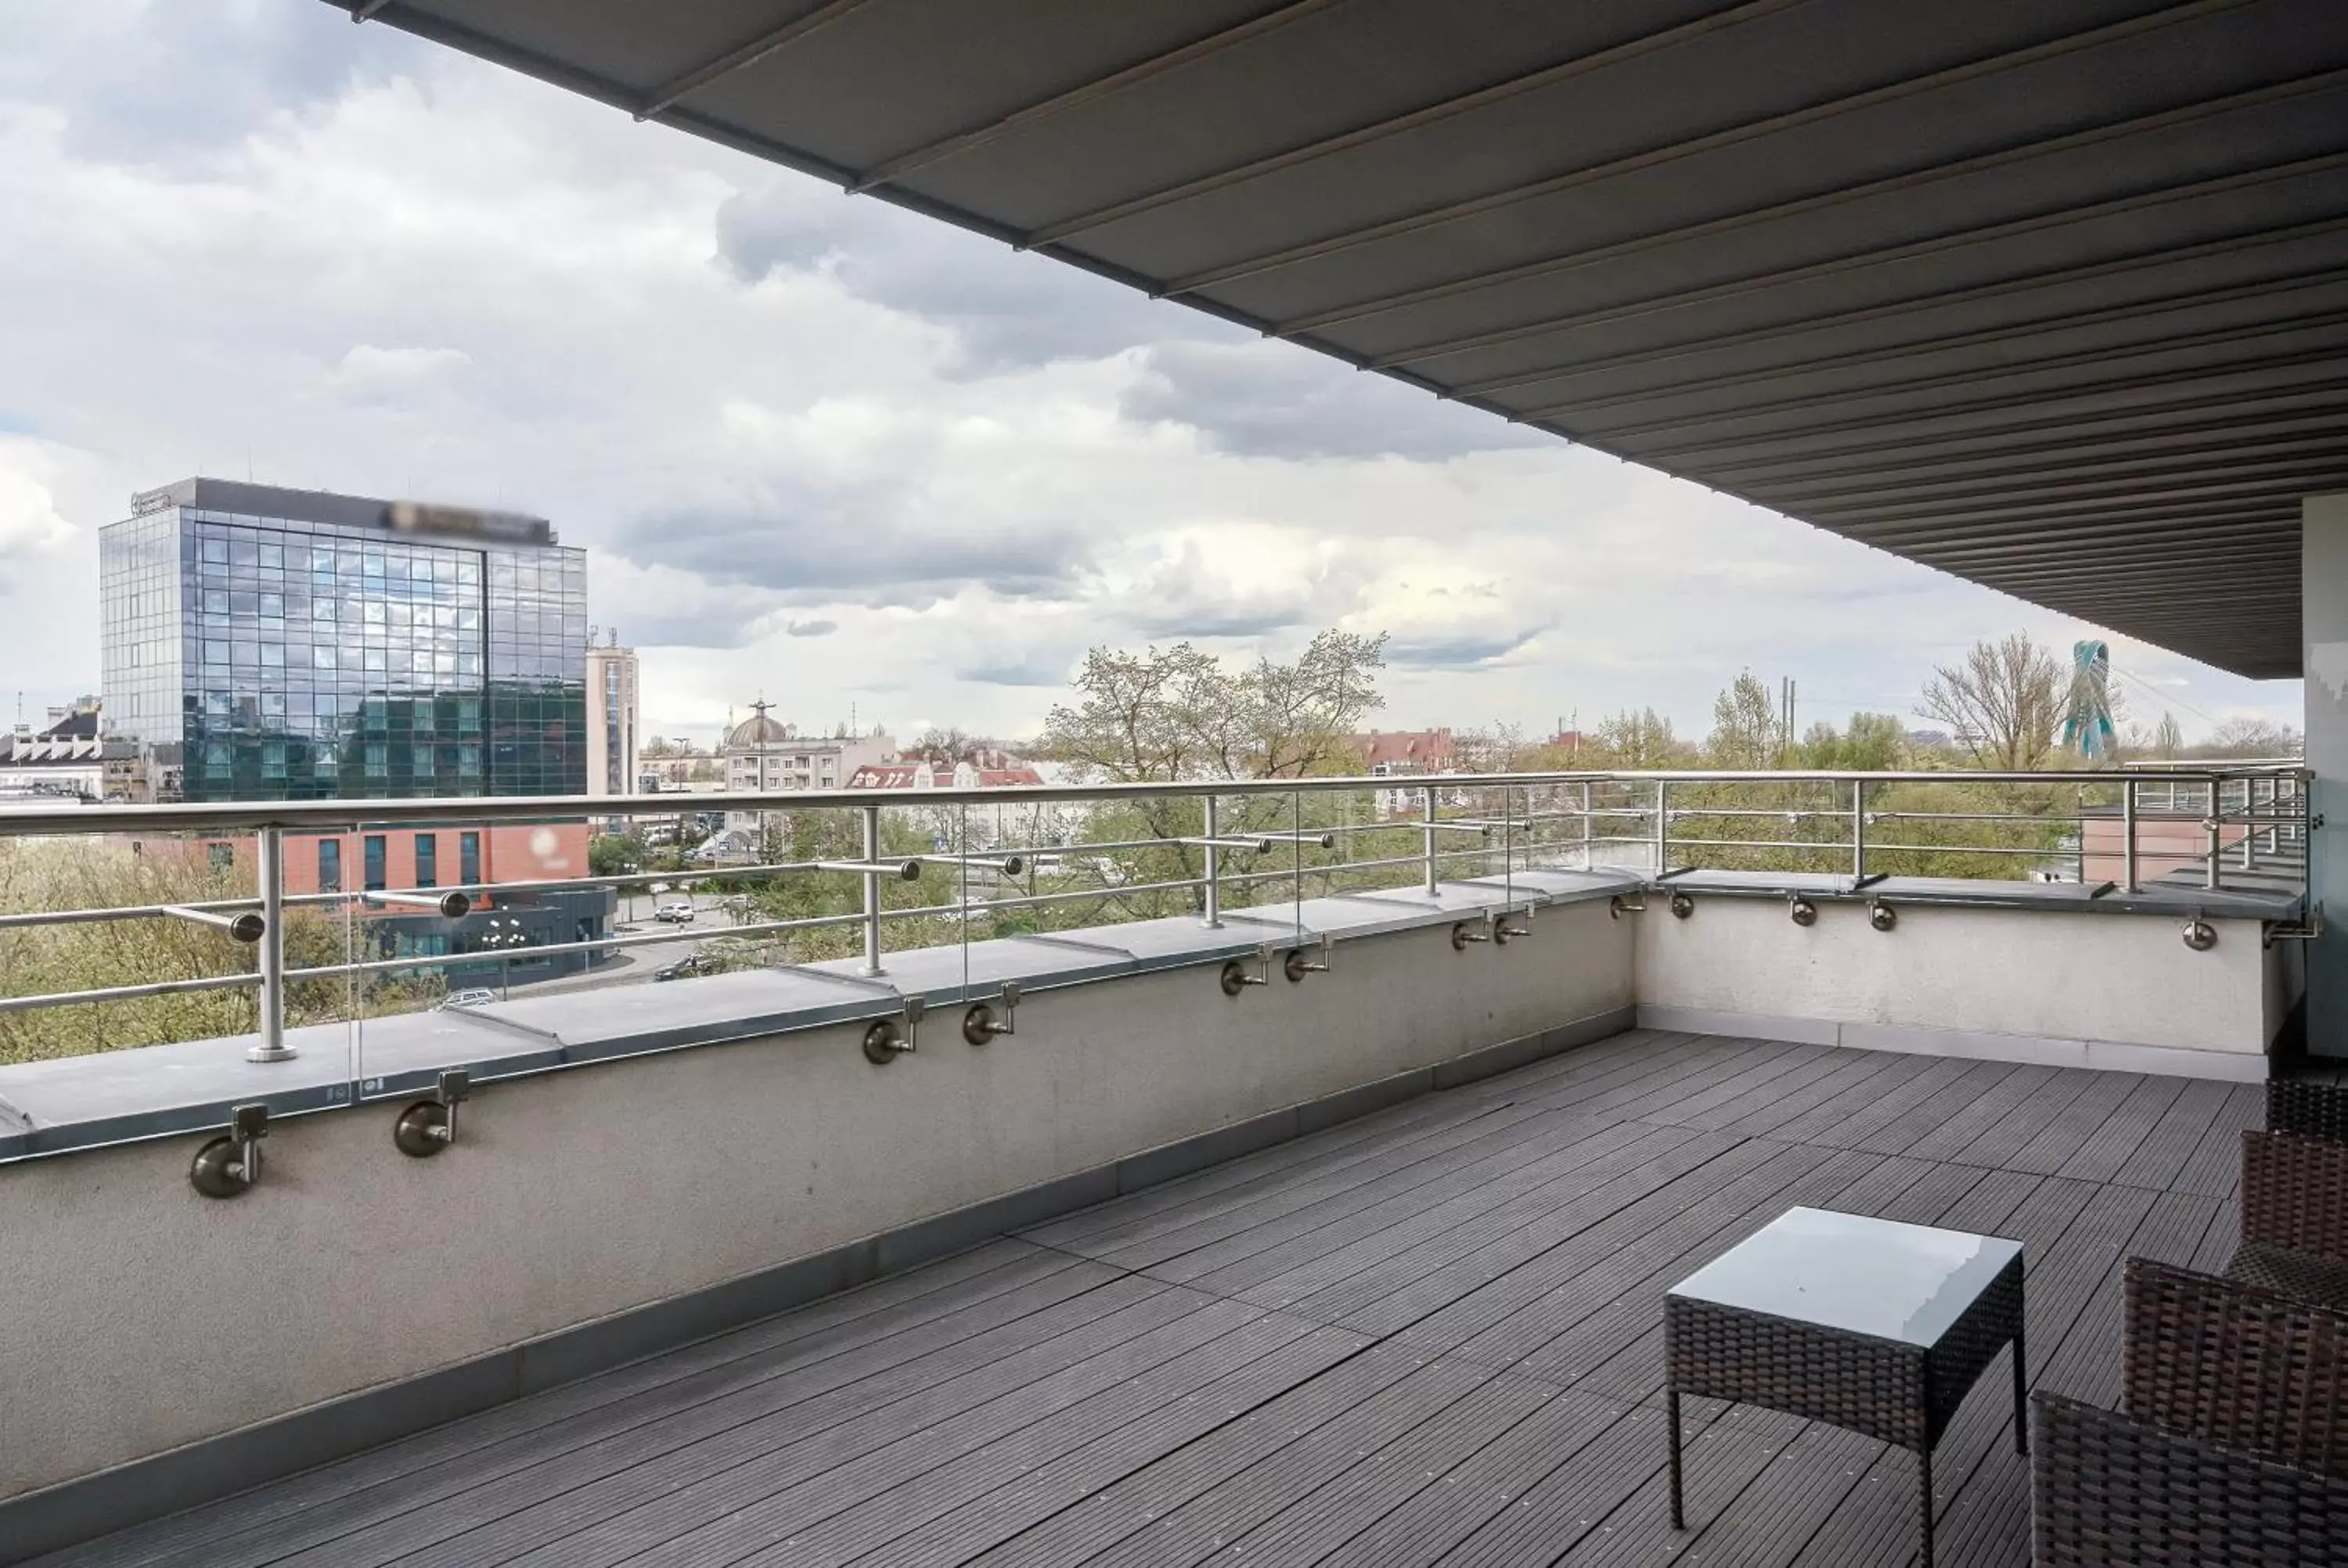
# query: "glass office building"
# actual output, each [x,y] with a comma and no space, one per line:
[270,644]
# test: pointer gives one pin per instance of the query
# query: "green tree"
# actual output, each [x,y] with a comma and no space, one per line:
[1638,740]
[1745,731]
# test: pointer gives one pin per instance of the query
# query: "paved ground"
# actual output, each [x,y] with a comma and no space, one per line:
[1430,1336]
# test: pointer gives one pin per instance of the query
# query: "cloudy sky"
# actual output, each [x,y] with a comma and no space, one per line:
[818,448]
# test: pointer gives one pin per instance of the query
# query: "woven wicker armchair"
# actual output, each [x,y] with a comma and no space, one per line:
[2294,1217]
[2230,1449]
[2311,1110]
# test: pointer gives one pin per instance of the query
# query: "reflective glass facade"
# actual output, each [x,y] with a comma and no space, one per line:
[304,657]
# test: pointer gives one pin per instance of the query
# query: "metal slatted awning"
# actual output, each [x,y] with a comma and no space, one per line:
[2052,294]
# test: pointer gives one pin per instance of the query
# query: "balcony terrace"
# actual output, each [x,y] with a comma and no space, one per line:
[1325,1217]
[1428,1335]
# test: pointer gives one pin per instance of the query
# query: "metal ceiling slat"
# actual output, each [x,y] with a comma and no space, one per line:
[1771,125]
[1934,430]
[2104,386]
[2147,310]
[2266,460]
[1714,228]
[2059,501]
[922,157]
[2208,439]
[763,47]
[1400,125]
[1732,288]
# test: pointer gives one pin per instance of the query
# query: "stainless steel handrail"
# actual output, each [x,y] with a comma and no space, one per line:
[1509,836]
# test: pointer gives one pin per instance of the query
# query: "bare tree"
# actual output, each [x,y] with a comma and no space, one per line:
[2252,738]
[2004,702]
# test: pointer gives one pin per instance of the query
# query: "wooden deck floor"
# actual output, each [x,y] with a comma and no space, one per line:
[1427,1336]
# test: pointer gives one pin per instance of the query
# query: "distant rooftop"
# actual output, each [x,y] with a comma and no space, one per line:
[240,498]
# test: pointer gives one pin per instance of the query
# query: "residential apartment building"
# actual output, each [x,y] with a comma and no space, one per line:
[611,719]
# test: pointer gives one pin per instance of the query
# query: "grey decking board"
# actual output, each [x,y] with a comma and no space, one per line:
[2214,1167]
[1749,1069]
[2115,1142]
[1962,1125]
[2172,1141]
[1488,1242]
[1399,1291]
[2064,1136]
[2012,1131]
[1567,1293]
[759,1501]
[999,1265]
[699,1375]
[1245,1492]
[834,1386]
[1852,1069]
[1306,1529]
[1591,1336]
[1191,1252]
[1006,1510]
[1846,1123]
[1903,1132]
[646,1503]
[1824,1073]
[1331,1148]
[1431,1521]
[1523,1266]
[1472,1211]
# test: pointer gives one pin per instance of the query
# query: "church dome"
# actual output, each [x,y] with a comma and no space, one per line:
[758,730]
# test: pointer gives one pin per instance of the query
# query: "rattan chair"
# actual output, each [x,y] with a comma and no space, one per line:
[2230,1449]
[2311,1110]
[2294,1217]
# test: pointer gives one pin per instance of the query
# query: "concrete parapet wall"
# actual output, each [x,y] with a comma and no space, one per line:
[142,1316]
[2011,984]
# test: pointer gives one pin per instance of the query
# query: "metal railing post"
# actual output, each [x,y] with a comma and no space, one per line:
[1662,827]
[1211,818]
[1427,832]
[1858,831]
[1586,865]
[2127,835]
[268,869]
[2215,854]
[873,891]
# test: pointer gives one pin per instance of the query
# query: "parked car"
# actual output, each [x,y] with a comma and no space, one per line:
[687,967]
[473,997]
[678,913]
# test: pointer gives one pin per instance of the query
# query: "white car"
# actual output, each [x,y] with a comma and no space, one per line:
[477,997]
[677,913]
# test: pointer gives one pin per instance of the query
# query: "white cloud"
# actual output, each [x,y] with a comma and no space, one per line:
[765,408]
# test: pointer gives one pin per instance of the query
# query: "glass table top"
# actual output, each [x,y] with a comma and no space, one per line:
[1862,1276]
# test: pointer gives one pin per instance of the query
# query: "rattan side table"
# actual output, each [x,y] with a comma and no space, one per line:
[1866,1324]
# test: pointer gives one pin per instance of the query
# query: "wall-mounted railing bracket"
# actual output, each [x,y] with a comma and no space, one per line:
[429,1126]
[980,1024]
[1235,976]
[890,1038]
[226,1167]
[1300,961]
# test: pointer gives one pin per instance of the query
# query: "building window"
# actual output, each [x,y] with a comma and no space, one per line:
[469,858]
[428,861]
[373,847]
[330,865]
